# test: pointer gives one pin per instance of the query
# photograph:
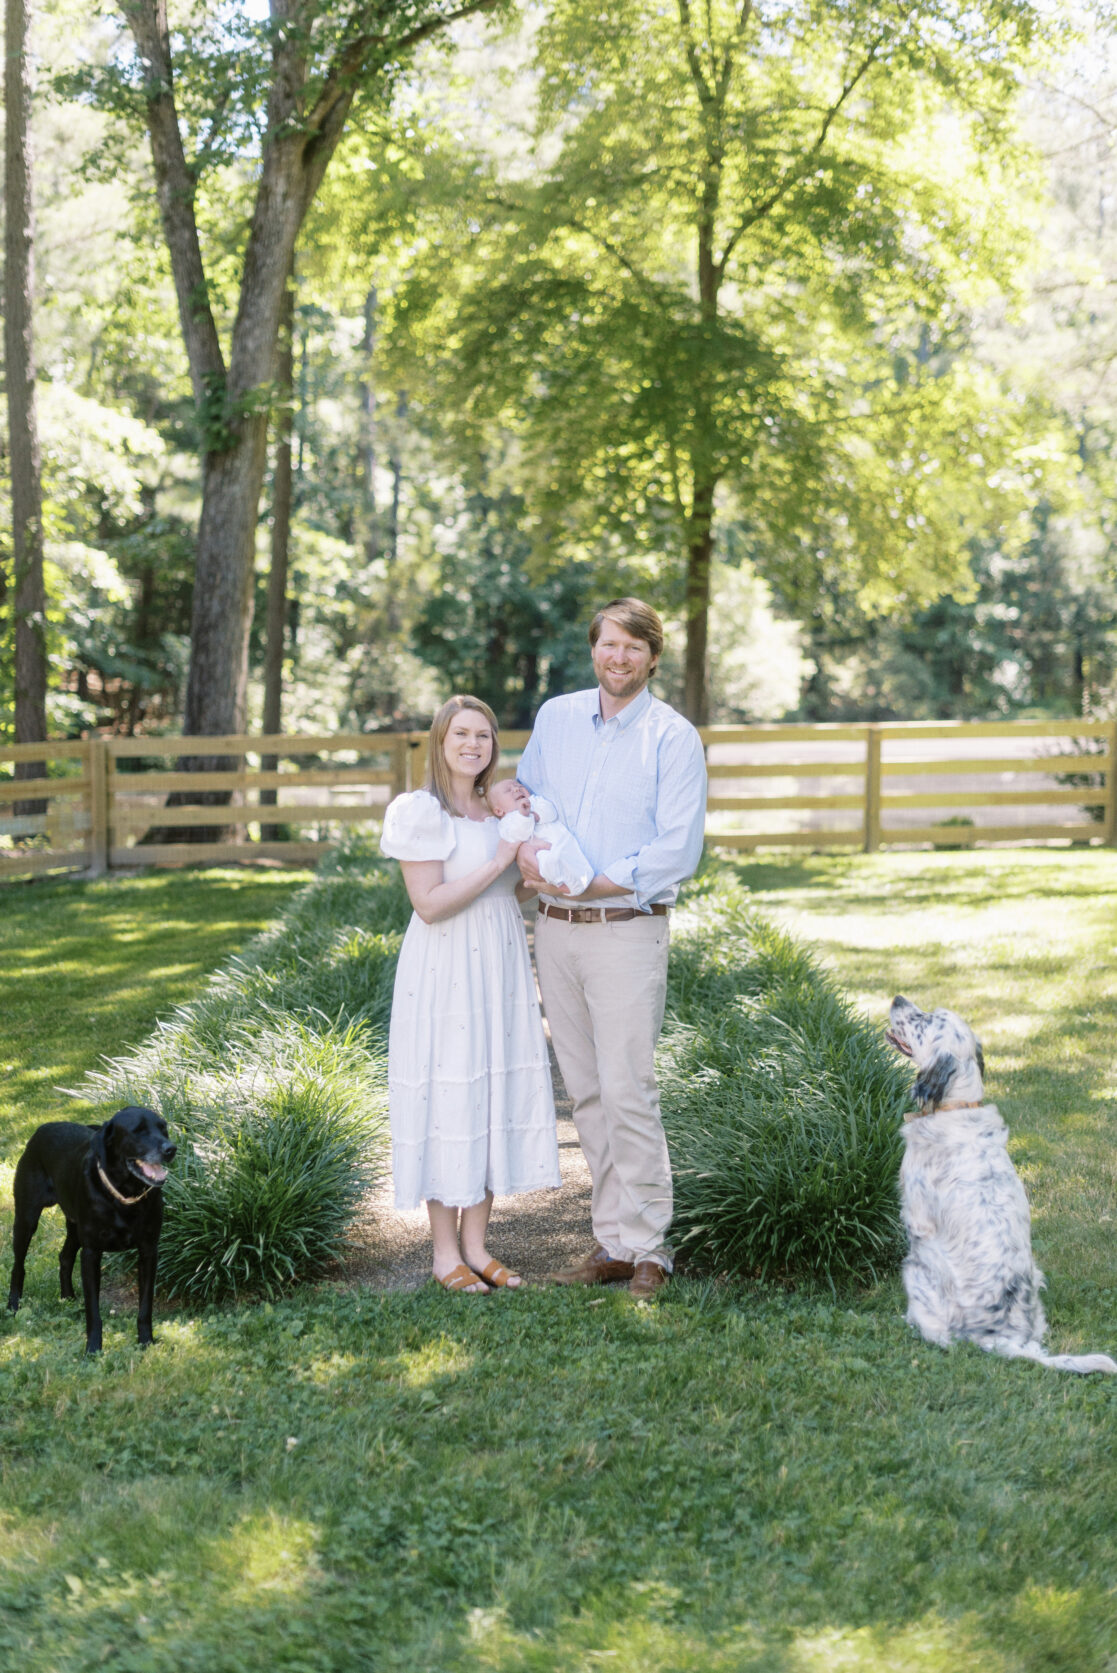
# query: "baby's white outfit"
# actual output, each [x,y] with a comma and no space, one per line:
[563,862]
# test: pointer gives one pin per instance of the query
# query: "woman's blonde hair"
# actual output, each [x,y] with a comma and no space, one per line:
[438,773]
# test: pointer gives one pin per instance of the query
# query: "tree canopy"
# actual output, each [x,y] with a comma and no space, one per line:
[795,319]
[737,266]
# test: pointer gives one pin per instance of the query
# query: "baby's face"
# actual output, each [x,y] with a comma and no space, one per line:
[510,796]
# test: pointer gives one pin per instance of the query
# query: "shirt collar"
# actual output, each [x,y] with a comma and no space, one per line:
[628,714]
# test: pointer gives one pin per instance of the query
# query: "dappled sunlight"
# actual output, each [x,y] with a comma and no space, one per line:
[634,1631]
[326,1369]
[268,1551]
[440,1357]
[931,1645]
[732,1479]
[87,967]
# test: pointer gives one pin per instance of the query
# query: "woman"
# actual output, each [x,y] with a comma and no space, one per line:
[470,1099]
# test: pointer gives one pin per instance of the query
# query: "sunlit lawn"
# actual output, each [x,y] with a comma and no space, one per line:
[727,1479]
[86,968]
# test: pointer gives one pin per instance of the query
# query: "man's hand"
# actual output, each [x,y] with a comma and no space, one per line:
[529,871]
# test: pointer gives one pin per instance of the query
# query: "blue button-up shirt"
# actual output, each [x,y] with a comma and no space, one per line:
[631,789]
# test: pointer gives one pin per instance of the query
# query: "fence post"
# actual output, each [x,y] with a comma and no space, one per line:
[416,759]
[98,805]
[399,765]
[1111,790]
[872,789]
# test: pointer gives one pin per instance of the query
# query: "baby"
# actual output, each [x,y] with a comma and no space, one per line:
[532,821]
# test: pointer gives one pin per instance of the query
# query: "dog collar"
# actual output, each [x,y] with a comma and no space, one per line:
[936,1109]
[119,1195]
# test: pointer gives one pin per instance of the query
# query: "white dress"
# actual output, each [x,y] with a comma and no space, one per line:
[469,1083]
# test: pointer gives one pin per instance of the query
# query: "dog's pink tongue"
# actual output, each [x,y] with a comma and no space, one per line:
[152,1171]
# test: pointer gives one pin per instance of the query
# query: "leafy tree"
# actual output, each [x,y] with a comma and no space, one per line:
[28,586]
[494,631]
[736,272]
[1038,631]
[214,88]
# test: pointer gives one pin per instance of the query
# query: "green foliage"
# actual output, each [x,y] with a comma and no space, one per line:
[1037,630]
[276,1153]
[740,265]
[493,628]
[274,1082]
[782,1107]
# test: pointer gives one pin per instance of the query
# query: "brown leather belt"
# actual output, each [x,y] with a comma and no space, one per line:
[599,914]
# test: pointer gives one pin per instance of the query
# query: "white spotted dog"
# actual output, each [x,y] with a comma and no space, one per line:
[969,1273]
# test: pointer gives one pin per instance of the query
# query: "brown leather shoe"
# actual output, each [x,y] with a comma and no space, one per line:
[648,1277]
[597,1268]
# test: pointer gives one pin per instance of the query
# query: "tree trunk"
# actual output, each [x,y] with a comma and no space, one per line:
[391,580]
[299,141]
[700,523]
[28,591]
[367,443]
[277,574]
[700,553]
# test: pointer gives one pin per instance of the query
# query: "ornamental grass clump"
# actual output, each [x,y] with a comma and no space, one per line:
[274,1082]
[782,1106]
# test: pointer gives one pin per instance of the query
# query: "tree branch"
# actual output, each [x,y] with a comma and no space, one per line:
[341,79]
[792,176]
[579,225]
[729,57]
[690,46]
[175,187]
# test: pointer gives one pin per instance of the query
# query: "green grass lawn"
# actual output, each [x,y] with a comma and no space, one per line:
[724,1479]
[86,968]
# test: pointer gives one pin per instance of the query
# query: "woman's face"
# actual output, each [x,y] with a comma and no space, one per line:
[468,745]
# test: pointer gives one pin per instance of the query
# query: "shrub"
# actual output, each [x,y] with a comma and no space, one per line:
[955,822]
[273,1165]
[782,1107]
[275,1083]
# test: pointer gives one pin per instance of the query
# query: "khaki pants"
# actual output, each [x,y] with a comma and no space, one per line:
[604,987]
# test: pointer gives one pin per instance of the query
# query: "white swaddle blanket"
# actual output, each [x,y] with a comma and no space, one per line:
[563,863]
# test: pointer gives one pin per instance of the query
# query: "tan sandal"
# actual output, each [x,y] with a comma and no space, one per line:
[461,1279]
[499,1276]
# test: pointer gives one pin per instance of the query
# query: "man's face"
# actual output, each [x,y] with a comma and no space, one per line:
[623,664]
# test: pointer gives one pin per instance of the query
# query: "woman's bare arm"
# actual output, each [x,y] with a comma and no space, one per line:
[435,900]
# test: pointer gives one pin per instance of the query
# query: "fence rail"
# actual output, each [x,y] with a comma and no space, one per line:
[99,803]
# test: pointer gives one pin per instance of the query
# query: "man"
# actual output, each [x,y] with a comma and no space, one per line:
[628,778]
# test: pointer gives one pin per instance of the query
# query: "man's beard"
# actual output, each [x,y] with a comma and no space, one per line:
[622,685]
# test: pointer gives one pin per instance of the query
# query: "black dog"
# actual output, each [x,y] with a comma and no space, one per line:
[92,1173]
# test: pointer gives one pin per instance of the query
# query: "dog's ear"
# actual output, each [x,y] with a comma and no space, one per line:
[979,1058]
[934,1080]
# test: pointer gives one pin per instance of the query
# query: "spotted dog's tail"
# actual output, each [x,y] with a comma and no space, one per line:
[1012,1349]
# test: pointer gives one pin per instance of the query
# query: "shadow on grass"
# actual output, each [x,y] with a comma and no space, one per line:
[86,969]
[721,1480]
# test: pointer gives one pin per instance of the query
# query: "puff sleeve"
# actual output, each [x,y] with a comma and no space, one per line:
[417,827]
[545,811]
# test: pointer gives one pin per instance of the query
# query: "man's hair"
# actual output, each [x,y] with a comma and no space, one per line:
[636,618]
[439,782]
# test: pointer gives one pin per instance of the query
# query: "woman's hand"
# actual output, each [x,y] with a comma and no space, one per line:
[506,852]
[435,900]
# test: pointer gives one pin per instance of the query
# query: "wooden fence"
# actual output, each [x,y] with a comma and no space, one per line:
[100,801]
